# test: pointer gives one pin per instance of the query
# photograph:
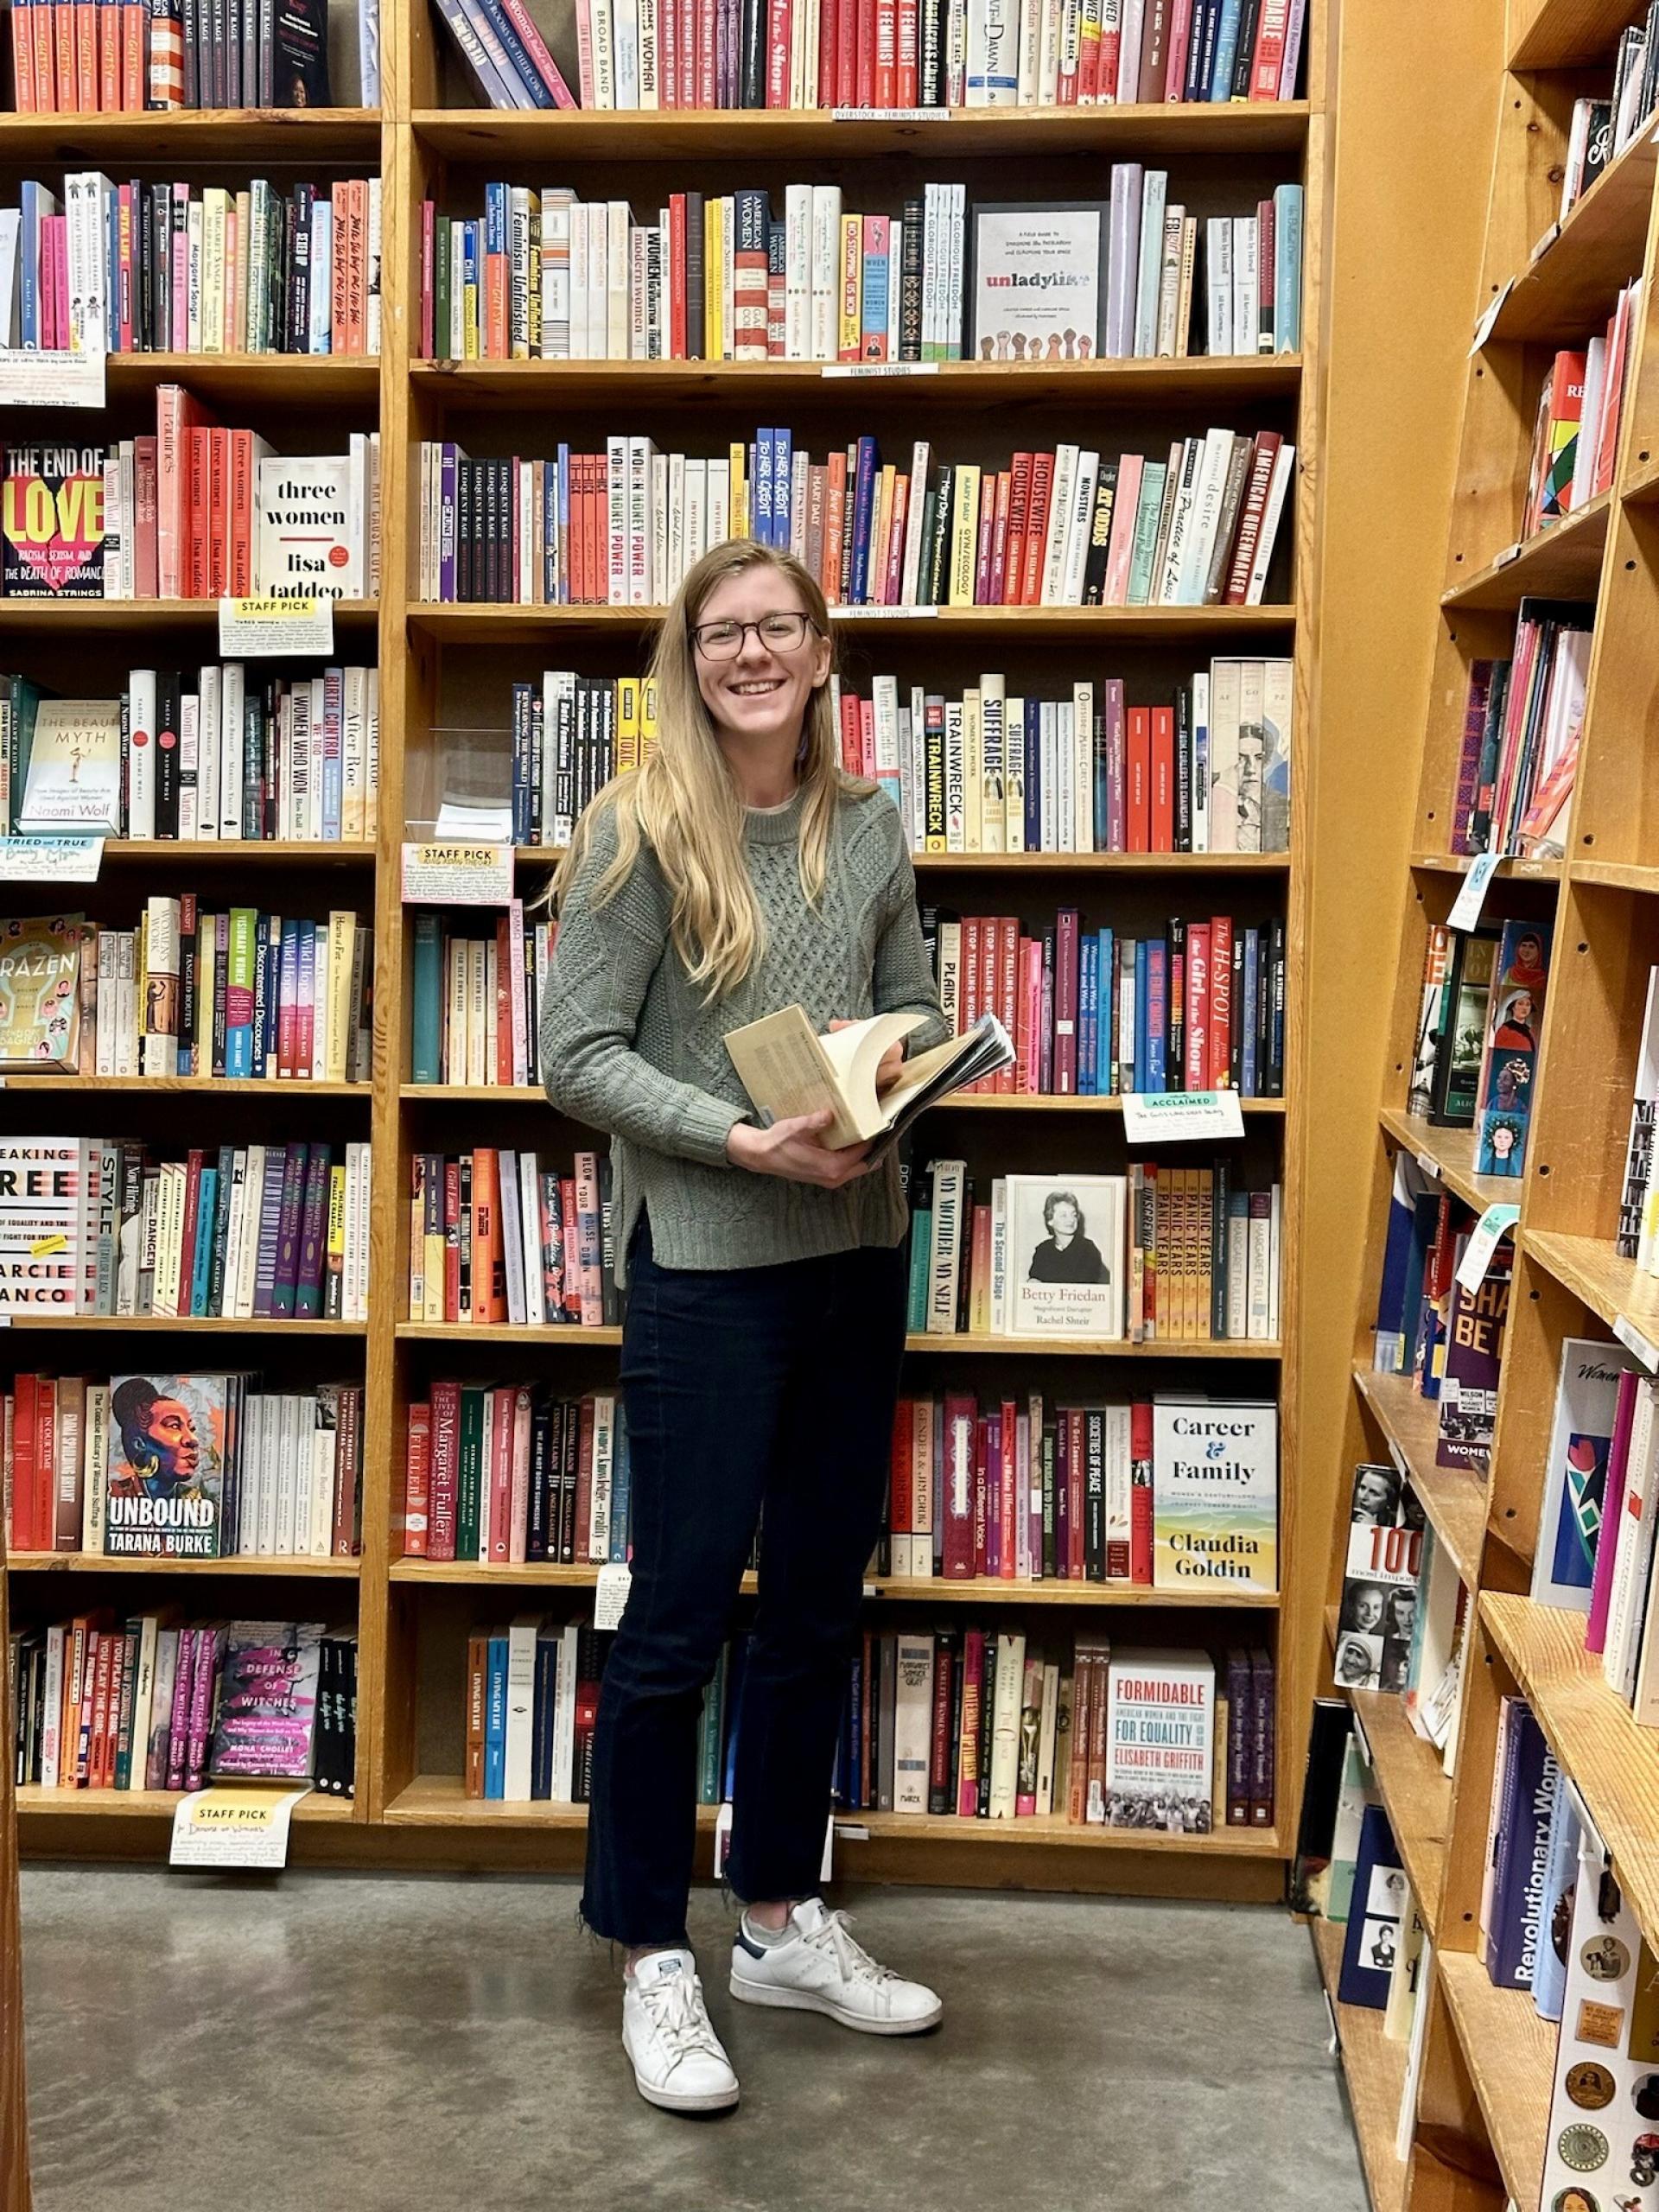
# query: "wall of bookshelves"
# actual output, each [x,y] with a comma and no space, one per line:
[449,668]
[1476,2137]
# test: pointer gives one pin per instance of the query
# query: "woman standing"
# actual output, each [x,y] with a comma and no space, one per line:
[739,871]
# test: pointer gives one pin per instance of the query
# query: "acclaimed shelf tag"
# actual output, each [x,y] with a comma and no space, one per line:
[1483,327]
[889,114]
[51,378]
[233,1827]
[1180,1116]
[880,369]
[1634,1341]
[845,614]
[1510,553]
[611,1594]
[457,875]
[1430,1166]
[53,860]
[1541,244]
[1484,1238]
[260,629]
[1471,893]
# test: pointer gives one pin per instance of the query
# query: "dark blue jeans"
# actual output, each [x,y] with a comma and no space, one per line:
[746,1388]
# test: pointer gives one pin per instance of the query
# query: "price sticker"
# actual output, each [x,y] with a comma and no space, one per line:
[457,874]
[1493,1226]
[263,629]
[51,377]
[1181,1117]
[1472,893]
[611,1597]
[1635,1343]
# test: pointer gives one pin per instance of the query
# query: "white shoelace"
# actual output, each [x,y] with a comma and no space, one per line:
[852,1961]
[676,2006]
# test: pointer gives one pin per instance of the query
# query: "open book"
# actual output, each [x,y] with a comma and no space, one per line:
[786,1069]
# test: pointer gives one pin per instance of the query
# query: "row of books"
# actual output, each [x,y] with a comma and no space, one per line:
[1580,406]
[1602,129]
[1348,1868]
[1181,1254]
[499,1236]
[1066,528]
[473,1000]
[92,1225]
[543,274]
[1638,1210]
[122,58]
[1015,1490]
[139,268]
[1524,718]
[1446,1338]
[1479,1021]
[1403,1611]
[208,753]
[183,1467]
[194,512]
[242,994]
[157,1703]
[1059,993]
[911,53]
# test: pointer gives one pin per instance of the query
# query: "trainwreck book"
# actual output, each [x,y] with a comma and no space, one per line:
[1215,1494]
[168,1445]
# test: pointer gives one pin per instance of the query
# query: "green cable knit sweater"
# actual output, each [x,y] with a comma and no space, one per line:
[628,1045]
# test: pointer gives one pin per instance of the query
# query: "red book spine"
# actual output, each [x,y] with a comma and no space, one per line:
[707,90]
[968,1003]
[846,50]
[1138,812]
[903,1420]
[973,1685]
[886,53]
[451,1258]
[23,58]
[827,53]
[109,60]
[500,1489]
[997,588]
[867,740]
[1019,521]
[1269,56]
[1028,1079]
[960,1422]
[1219,1074]
[191,1199]
[1007,1441]
[25,1506]
[908,40]
[1065,1003]
[1140,1493]
[778,39]
[417,1481]
[1180,32]
[85,13]
[61,18]
[919,1517]
[1162,828]
[1074,1475]
[1197,1006]
[986,538]
[584,1475]
[1042,482]
[445,1479]
[864,50]
[981,1503]
[1008,989]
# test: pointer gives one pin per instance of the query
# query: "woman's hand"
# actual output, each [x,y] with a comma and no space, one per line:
[791,1150]
[891,1065]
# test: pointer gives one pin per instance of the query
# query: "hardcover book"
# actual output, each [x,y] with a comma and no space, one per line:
[1065,1243]
[1379,1589]
[266,1724]
[1215,1494]
[1461,1043]
[1375,1914]
[1160,1741]
[39,992]
[51,523]
[1575,1473]
[74,781]
[169,1440]
[309,536]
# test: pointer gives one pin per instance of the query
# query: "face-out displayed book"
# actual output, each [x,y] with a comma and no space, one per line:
[1376,1911]
[1215,1493]
[266,1724]
[1575,1472]
[788,1070]
[40,991]
[74,781]
[1064,1239]
[168,1437]
[1378,1617]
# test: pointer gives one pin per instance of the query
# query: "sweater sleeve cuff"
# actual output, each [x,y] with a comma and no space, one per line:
[706,1124]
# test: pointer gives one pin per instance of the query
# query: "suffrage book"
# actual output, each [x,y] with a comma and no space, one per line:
[39,992]
[1160,1740]
[1066,1255]
[1215,1493]
[169,1445]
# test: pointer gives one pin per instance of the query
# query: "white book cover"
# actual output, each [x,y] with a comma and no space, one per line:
[912,1722]
[1633,1558]
[564,1717]
[310,540]
[1065,1242]
[1160,1740]
[521,1707]
[1575,1472]
[1218,293]
[1215,1494]
[1005,1725]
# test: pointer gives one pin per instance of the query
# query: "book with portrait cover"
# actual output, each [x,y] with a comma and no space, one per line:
[1066,1249]
[1379,1586]
[1510,1056]
[1376,1911]
[40,991]
[171,1443]
[1214,1483]
[265,1730]
[1160,1740]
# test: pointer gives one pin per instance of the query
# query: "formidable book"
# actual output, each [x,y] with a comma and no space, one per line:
[169,1443]
[266,1726]
[1160,1742]
[1215,1494]
[787,1070]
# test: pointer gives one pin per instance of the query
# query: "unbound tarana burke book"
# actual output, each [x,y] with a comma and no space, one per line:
[788,1070]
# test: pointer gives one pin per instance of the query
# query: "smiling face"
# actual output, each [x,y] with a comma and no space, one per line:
[762,693]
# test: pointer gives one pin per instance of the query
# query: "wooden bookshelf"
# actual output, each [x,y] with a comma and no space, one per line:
[1375,2073]
[1482,2102]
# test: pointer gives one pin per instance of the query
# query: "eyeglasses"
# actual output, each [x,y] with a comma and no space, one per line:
[779,634]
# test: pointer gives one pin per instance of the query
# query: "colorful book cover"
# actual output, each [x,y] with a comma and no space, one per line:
[1160,1741]
[1510,1059]
[51,523]
[1575,1473]
[1215,1494]
[265,1729]
[1379,1590]
[40,991]
[1474,1352]
[1531,1780]
[169,1441]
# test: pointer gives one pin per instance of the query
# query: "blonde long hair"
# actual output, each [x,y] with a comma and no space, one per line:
[685,803]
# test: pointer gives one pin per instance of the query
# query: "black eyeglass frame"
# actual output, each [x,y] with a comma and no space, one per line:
[808,626]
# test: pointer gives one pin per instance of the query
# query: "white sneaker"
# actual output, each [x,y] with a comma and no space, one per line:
[820,1968]
[678,2060]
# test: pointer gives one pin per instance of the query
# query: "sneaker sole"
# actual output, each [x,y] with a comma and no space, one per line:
[671,2100]
[802,2000]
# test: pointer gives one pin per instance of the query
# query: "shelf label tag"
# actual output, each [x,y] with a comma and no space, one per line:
[457,875]
[1484,1238]
[221,1827]
[1483,327]
[51,377]
[850,613]
[1430,1166]
[1180,1116]
[1398,1459]
[1634,1341]
[889,114]
[1364,1740]
[263,629]
[611,1595]
[880,369]
[50,860]
[1471,893]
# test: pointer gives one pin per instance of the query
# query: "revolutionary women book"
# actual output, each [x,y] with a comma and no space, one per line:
[1215,1494]
[169,1445]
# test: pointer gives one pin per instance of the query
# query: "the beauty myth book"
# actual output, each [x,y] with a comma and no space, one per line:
[787,1070]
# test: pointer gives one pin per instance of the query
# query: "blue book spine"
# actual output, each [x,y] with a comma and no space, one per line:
[1142,1058]
[1105,1015]
[782,471]
[1252,1012]
[495,219]
[1286,268]
[472,278]
[761,478]
[1560,1873]
[1221,73]
[521,768]
[112,253]
[1157,1014]
[426,1061]
[1532,1780]
[513,46]
[206,1221]
[735,1674]
[863,512]
[564,554]
[1201,50]
[1088,990]
[29,197]
[495,1720]
[621,1488]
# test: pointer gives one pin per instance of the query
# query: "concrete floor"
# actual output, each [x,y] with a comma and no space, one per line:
[347,2043]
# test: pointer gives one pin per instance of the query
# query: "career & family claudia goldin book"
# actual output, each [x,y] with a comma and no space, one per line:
[1215,1493]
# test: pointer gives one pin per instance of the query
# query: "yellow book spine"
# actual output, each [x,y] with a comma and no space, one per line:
[342,935]
[851,330]
[627,724]
[740,520]
[714,229]
[647,719]
[964,535]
